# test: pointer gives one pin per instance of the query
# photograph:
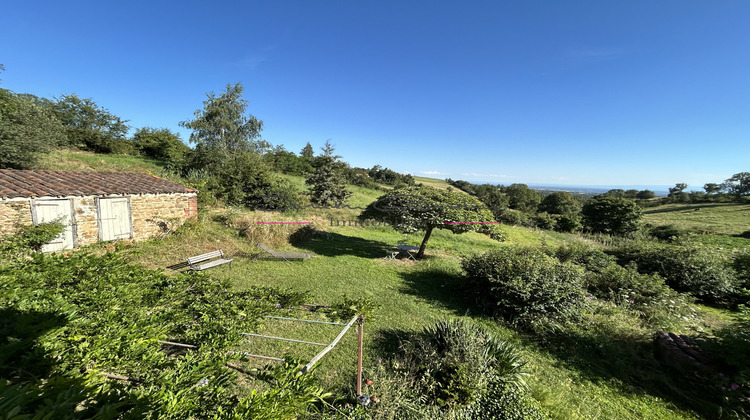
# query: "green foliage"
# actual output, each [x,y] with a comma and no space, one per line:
[741,265]
[646,295]
[412,209]
[668,233]
[446,371]
[677,189]
[514,217]
[693,269]
[645,195]
[161,143]
[327,182]
[66,320]
[569,223]
[525,284]
[287,162]
[27,129]
[738,184]
[611,215]
[523,198]
[503,402]
[29,238]
[560,202]
[244,179]
[733,345]
[222,128]
[347,307]
[91,127]
[307,152]
[388,176]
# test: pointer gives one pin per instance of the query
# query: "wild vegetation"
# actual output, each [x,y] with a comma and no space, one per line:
[556,320]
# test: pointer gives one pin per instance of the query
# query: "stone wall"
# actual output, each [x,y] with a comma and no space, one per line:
[155,214]
[12,214]
[87,225]
[150,215]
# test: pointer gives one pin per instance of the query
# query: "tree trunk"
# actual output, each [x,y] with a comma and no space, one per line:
[424,242]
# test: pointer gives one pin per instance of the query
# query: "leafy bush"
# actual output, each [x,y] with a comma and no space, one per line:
[68,322]
[741,265]
[666,232]
[587,256]
[612,215]
[347,307]
[450,370]
[513,217]
[523,284]
[569,223]
[29,238]
[503,402]
[691,268]
[733,344]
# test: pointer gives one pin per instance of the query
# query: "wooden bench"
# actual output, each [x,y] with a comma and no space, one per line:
[192,261]
[284,255]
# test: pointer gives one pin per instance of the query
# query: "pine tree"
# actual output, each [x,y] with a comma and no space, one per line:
[327,183]
[307,152]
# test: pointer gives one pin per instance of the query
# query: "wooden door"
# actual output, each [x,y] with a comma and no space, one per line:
[114,219]
[45,211]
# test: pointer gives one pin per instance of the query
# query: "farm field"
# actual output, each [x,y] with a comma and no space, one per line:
[708,218]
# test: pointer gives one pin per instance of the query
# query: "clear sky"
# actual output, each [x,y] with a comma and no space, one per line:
[542,92]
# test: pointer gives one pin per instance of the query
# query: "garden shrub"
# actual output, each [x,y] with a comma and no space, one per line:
[525,284]
[690,268]
[452,369]
[29,238]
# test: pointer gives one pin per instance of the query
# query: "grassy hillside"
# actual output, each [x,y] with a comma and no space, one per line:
[73,160]
[710,218]
[603,369]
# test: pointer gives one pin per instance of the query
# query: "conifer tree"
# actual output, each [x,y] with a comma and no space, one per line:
[327,182]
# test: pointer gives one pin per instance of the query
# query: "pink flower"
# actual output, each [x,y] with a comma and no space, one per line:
[735,387]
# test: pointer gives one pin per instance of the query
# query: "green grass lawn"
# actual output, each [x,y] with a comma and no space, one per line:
[349,261]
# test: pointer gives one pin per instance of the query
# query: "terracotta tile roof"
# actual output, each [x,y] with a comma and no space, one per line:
[16,183]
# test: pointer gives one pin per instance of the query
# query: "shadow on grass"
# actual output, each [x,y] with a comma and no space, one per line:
[334,244]
[601,355]
[441,288]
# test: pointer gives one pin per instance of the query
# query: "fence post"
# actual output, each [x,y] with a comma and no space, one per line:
[359,354]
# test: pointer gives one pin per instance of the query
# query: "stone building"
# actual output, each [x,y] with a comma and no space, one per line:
[94,206]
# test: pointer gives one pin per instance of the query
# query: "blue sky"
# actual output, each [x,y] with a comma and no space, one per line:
[540,92]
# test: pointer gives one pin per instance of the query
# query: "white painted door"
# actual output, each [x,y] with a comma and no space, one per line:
[46,211]
[114,219]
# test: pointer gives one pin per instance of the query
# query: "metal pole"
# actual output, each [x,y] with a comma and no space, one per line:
[304,320]
[359,354]
[284,339]
[329,347]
